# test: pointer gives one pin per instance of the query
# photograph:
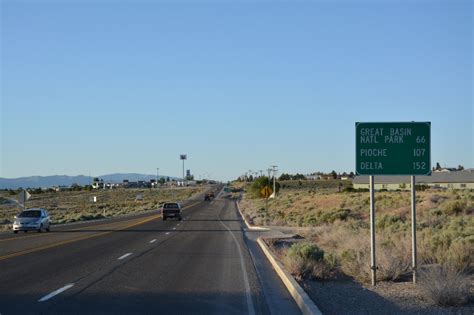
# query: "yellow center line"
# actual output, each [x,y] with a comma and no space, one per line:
[77,229]
[28,251]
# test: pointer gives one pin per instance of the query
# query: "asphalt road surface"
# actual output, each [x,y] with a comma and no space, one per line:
[141,264]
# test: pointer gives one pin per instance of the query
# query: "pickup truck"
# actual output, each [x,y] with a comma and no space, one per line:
[209,196]
[171,210]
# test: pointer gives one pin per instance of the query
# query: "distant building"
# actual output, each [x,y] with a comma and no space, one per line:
[441,179]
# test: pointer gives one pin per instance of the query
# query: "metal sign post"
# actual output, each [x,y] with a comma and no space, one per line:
[413,228]
[393,148]
[23,197]
[373,264]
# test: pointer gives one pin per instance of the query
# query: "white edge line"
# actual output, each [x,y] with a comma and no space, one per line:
[152,241]
[167,233]
[54,293]
[124,256]
[250,306]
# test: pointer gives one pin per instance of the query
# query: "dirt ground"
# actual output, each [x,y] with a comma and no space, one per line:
[345,296]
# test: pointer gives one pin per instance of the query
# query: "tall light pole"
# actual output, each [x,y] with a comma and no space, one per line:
[274,169]
[183,157]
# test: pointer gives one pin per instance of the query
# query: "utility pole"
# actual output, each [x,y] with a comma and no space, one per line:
[269,183]
[274,169]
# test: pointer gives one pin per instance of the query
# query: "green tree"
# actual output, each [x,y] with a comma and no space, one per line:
[299,176]
[334,174]
[284,177]
[260,183]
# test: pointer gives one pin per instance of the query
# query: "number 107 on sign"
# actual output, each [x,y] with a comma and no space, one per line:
[393,148]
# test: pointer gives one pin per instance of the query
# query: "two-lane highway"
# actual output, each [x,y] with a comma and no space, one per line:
[137,265]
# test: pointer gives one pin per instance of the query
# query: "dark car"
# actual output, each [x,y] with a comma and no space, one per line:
[207,197]
[171,210]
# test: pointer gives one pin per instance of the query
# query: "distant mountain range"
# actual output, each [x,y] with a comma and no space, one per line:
[64,180]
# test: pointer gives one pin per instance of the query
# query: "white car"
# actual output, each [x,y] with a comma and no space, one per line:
[35,219]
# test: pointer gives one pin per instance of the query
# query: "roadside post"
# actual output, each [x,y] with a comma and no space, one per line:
[413,228]
[23,196]
[393,148]
[373,264]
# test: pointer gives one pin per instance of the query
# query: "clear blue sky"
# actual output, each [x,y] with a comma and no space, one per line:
[125,86]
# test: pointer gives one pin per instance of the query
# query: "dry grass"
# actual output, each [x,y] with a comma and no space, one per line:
[338,224]
[445,285]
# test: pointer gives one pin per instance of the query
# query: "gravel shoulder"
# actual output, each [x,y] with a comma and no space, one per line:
[345,296]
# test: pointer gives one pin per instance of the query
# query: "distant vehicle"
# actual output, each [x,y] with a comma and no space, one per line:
[35,219]
[171,210]
[209,196]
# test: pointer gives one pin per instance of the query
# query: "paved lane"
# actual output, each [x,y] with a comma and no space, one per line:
[199,265]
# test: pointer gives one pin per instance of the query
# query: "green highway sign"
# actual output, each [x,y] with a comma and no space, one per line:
[393,148]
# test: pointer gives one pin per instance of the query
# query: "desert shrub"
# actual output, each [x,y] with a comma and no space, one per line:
[454,207]
[306,260]
[393,222]
[436,212]
[333,215]
[461,255]
[392,261]
[306,251]
[297,266]
[353,249]
[444,285]
[355,262]
[310,219]
[436,198]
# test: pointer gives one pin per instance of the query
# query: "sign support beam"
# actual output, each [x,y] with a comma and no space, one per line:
[373,264]
[413,228]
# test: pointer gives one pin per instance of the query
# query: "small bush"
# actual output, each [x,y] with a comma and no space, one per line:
[306,260]
[333,215]
[454,207]
[355,262]
[390,221]
[306,251]
[392,262]
[444,285]
[436,198]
